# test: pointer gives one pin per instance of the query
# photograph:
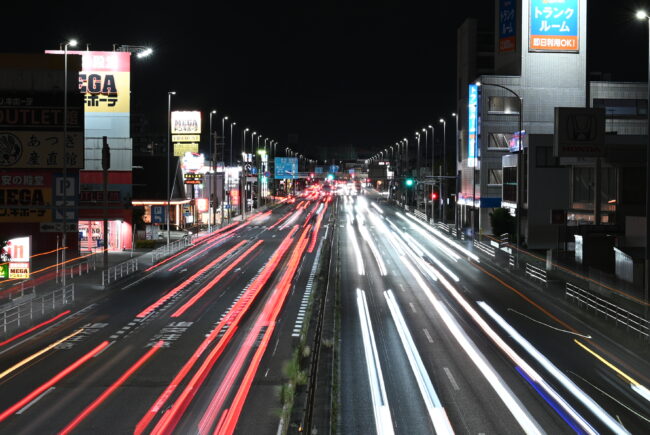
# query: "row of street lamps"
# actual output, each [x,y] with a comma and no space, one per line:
[402,162]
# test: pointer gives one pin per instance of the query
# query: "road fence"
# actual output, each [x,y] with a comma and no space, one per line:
[18,314]
[620,316]
[119,271]
[170,249]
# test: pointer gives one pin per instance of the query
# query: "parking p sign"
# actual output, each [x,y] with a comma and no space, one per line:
[157,214]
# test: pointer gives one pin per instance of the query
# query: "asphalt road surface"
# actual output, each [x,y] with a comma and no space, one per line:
[435,340]
[187,346]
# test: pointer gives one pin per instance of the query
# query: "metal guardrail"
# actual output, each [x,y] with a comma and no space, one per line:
[487,249]
[119,271]
[420,215]
[166,250]
[609,310]
[536,273]
[39,305]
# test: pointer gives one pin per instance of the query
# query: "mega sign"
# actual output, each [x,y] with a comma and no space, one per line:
[25,196]
[472,125]
[553,25]
[186,132]
[104,80]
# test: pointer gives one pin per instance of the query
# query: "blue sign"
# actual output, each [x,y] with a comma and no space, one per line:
[507,25]
[318,169]
[472,127]
[286,167]
[158,214]
[553,26]
[334,169]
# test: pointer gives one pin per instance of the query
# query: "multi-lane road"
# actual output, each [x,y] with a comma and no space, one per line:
[432,339]
[436,340]
[188,346]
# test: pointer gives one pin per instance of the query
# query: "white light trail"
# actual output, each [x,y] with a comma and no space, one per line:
[557,374]
[436,411]
[442,237]
[357,251]
[381,408]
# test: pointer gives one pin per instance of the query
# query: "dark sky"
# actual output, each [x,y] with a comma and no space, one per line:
[339,74]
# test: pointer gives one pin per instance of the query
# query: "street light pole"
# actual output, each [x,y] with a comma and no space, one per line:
[456,153]
[417,164]
[443,191]
[643,16]
[433,171]
[214,174]
[71,43]
[232,124]
[169,145]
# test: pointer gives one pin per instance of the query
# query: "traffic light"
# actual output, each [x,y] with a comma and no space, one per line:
[410,182]
[330,177]
[434,196]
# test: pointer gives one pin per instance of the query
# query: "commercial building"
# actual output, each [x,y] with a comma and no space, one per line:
[508,141]
[104,83]
[37,186]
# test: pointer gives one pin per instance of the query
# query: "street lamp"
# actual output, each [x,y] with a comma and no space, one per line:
[253,141]
[212,112]
[643,16]
[519,160]
[443,191]
[243,146]
[457,153]
[169,145]
[223,135]
[232,124]
[64,242]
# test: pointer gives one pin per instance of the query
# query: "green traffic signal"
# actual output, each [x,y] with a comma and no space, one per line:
[410,182]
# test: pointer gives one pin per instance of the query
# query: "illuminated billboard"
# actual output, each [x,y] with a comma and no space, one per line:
[186,132]
[507,25]
[18,251]
[105,83]
[105,80]
[553,25]
[472,125]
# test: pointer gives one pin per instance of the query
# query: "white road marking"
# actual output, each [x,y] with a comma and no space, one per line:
[426,332]
[412,307]
[452,380]
[267,372]
[26,407]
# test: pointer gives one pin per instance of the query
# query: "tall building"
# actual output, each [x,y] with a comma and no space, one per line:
[508,119]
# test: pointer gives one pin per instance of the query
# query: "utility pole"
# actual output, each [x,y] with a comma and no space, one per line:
[106,165]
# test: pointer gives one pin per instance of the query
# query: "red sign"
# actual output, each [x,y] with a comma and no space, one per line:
[234,197]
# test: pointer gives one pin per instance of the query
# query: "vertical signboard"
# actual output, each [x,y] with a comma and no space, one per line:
[507,25]
[186,132]
[553,25]
[18,251]
[472,125]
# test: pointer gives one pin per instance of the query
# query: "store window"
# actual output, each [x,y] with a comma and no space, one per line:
[503,105]
[583,184]
[495,177]
[509,175]
[499,141]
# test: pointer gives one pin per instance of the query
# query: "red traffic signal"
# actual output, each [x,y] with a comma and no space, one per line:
[434,196]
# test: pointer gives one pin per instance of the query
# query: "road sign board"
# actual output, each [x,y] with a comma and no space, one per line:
[157,214]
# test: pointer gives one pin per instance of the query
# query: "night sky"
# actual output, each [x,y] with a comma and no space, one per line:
[341,75]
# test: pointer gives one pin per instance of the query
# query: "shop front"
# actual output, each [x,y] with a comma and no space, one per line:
[91,235]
